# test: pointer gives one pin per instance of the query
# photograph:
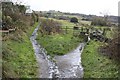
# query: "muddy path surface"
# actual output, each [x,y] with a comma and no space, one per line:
[42,62]
[69,65]
[66,66]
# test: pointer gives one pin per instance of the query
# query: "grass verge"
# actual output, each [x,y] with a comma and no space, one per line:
[18,56]
[96,65]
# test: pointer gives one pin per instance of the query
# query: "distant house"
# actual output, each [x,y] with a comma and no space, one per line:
[6,0]
[28,11]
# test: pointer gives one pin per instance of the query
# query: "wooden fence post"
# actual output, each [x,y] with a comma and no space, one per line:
[66,30]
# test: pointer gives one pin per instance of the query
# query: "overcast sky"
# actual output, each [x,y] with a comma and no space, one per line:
[75,6]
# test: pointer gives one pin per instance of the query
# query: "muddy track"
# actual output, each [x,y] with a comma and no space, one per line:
[47,68]
[69,65]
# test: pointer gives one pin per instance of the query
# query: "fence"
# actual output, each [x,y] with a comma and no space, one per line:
[75,30]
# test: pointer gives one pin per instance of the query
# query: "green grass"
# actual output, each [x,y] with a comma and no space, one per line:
[59,44]
[110,34]
[96,65]
[66,23]
[18,57]
[29,33]
[85,22]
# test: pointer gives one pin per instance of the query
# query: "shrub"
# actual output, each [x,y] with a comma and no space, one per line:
[113,48]
[99,21]
[49,26]
[74,20]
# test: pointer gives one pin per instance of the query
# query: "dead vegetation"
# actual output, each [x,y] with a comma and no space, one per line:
[112,49]
[49,26]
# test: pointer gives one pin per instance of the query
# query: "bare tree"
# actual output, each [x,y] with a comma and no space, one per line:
[106,15]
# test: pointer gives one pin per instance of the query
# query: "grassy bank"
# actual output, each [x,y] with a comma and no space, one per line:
[96,65]
[58,44]
[18,55]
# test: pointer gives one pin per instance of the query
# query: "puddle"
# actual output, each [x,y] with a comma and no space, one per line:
[69,65]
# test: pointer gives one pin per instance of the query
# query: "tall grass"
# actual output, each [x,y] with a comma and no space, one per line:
[96,65]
